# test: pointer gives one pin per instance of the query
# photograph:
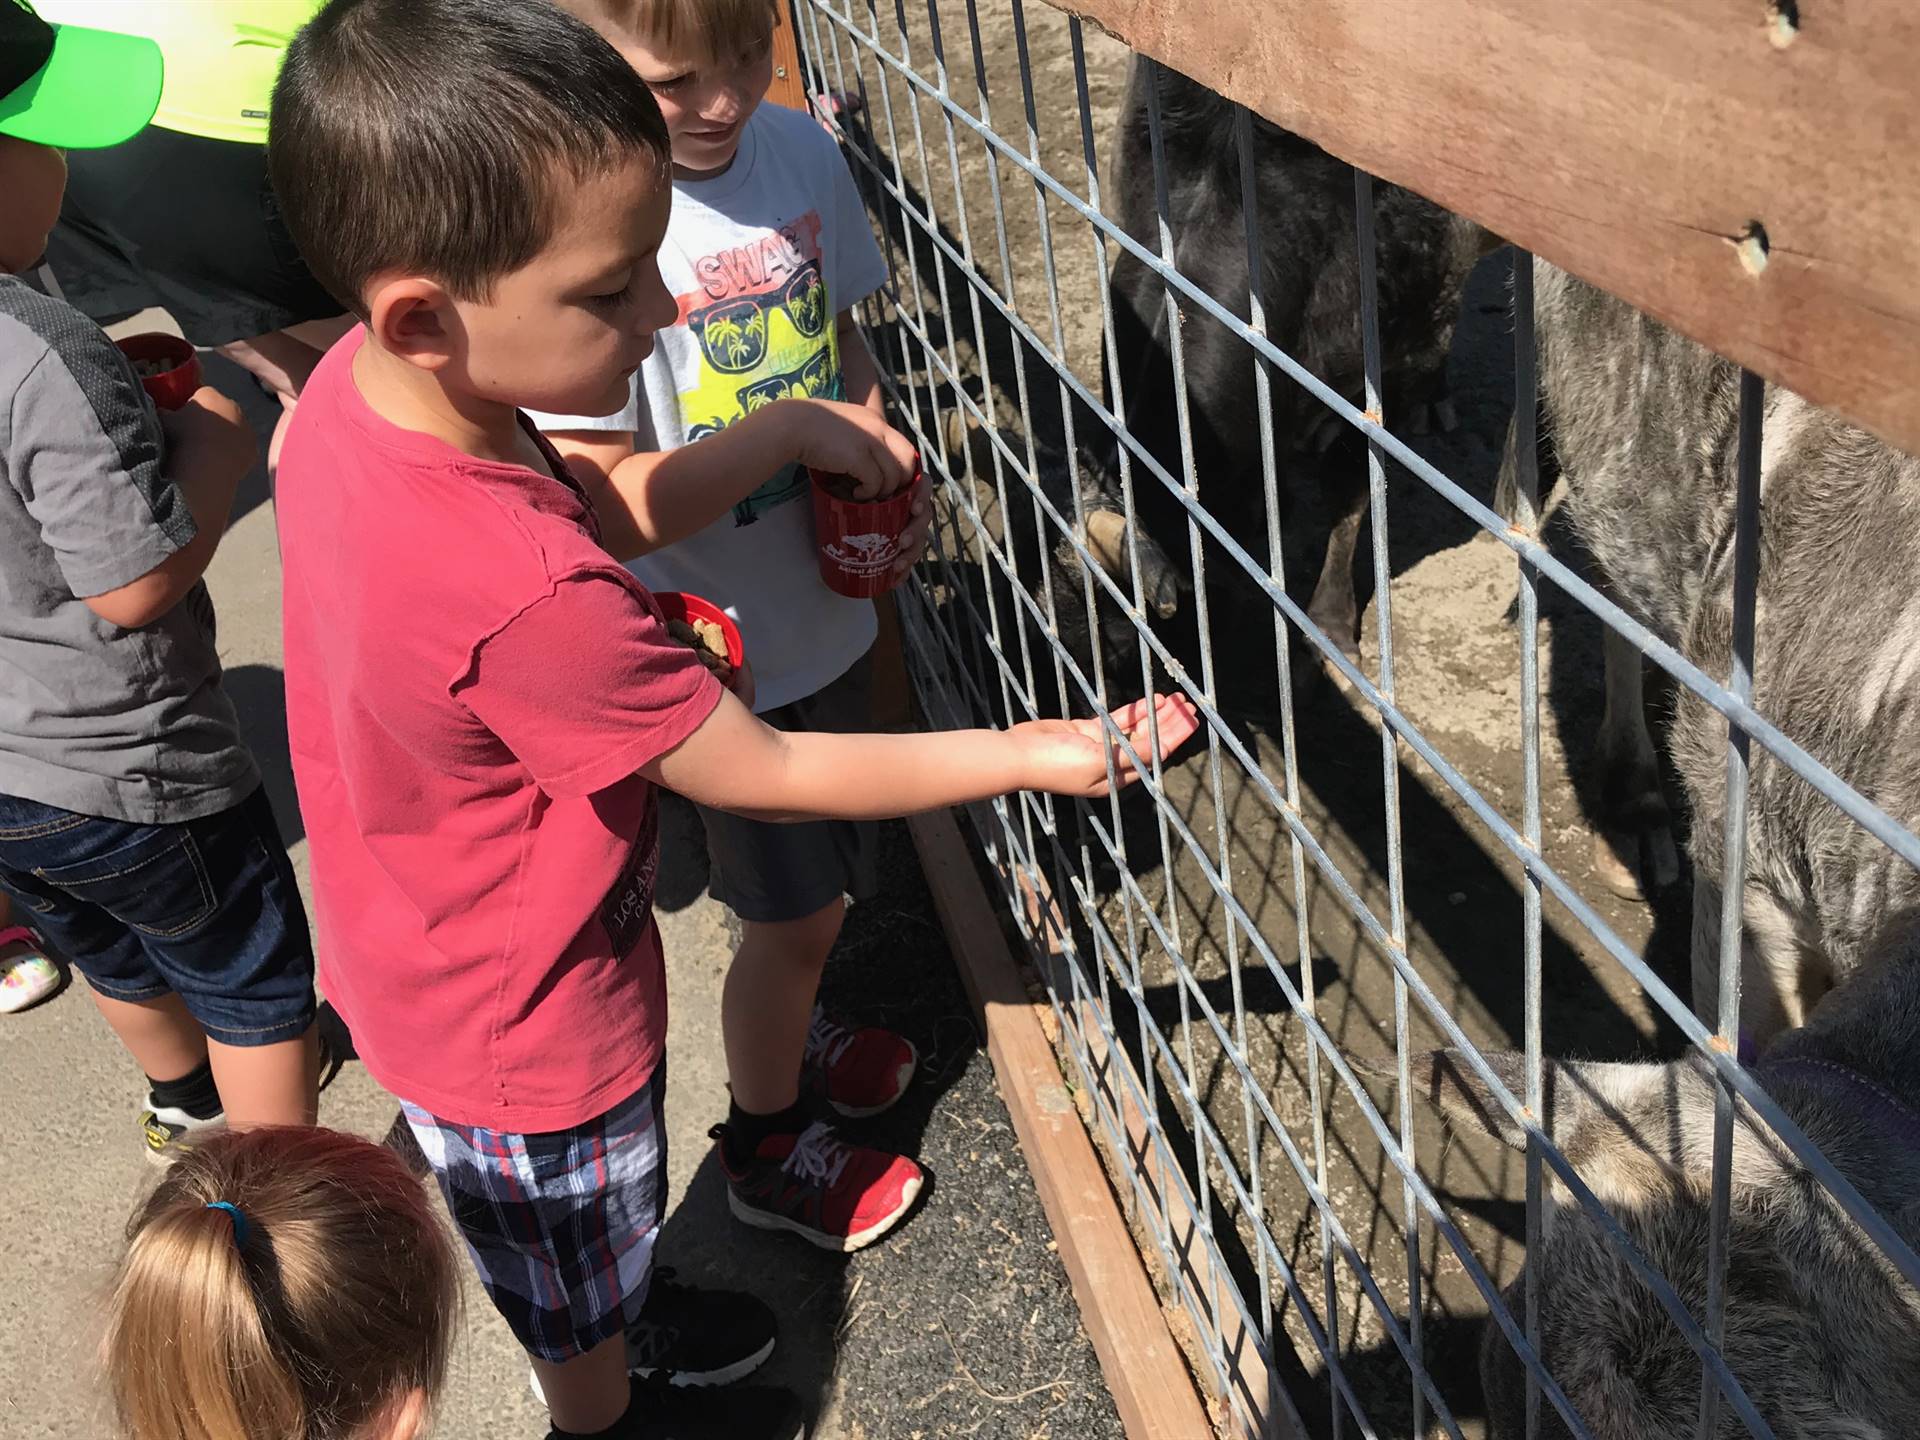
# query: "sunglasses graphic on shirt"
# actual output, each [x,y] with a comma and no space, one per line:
[733,333]
[816,380]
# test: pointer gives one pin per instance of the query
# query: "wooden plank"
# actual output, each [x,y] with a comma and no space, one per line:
[1631,142]
[892,690]
[1143,1366]
[1166,1198]
[789,80]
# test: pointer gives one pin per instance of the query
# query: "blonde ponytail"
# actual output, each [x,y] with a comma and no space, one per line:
[279,1285]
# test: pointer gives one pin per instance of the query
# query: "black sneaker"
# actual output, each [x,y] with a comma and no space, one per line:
[691,1337]
[746,1412]
[686,1336]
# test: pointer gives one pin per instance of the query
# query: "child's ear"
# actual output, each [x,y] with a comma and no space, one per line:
[413,318]
[404,1419]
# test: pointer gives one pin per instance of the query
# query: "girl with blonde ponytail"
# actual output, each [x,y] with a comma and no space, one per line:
[281,1284]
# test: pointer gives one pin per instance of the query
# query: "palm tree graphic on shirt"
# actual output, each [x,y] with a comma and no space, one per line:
[735,336]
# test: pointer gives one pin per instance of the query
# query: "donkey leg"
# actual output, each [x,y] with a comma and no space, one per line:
[1774,963]
[1333,606]
[1634,852]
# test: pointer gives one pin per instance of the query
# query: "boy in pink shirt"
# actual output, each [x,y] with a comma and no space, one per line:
[481,698]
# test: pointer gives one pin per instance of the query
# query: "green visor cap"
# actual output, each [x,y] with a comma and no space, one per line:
[70,87]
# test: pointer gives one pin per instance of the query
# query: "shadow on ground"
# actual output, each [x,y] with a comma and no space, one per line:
[962,1322]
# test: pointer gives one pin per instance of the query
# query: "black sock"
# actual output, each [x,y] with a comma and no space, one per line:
[620,1428]
[745,1130]
[193,1092]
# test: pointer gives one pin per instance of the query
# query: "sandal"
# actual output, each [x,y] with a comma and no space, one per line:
[27,978]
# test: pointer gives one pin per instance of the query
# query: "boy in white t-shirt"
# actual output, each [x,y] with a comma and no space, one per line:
[767,251]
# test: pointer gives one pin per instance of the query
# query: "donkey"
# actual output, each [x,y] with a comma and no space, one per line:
[1086,494]
[1822,1331]
[1643,423]
[1310,286]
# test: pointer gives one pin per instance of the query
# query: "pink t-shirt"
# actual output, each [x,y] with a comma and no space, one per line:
[471,684]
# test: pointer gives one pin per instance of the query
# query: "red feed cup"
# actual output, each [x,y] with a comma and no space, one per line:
[689,608]
[859,539]
[175,386]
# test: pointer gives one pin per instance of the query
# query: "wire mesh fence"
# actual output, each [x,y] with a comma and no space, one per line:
[1165,363]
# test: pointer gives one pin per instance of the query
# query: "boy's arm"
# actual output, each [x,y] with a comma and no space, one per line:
[856,366]
[131,509]
[650,500]
[209,451]
[586,688]
[862,383]
[593,445]
[734,762]
[592,454]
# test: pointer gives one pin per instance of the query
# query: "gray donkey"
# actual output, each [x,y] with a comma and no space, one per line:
[1643,423]
[1822,1332]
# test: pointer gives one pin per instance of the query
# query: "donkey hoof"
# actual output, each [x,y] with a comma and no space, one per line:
[1163,594]
[955,431]
[1616,864]
[1636,864]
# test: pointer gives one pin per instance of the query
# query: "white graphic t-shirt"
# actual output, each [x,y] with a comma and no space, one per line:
[762,259]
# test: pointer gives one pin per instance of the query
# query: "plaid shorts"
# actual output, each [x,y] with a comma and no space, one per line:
[560,1226]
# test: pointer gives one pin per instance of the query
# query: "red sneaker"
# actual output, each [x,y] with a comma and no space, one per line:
[838,1196]
[860,1071]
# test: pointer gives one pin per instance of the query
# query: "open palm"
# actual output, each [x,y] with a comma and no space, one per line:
[1069,757]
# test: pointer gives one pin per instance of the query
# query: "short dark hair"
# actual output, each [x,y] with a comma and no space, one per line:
[434,136]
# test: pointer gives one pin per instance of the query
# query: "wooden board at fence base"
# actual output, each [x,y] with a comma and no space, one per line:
[1631,142]
[1142,1364]
[1158,1198]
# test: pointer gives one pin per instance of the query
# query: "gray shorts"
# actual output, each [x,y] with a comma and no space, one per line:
[770,873]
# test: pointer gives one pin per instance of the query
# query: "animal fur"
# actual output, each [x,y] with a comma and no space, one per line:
[1643,422]
[1822,1331]
[1310,288]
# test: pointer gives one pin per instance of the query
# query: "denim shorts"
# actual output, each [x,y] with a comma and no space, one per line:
[207,909]
[560,1225]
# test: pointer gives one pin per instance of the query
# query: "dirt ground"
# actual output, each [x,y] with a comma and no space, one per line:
[1457,678]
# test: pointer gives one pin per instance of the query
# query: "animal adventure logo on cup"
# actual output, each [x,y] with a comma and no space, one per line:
[859,539]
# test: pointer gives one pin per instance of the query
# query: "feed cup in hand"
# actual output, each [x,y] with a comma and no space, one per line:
[859,539]
[167,366]
[706,629]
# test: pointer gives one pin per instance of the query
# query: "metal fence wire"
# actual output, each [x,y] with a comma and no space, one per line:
[1252,956]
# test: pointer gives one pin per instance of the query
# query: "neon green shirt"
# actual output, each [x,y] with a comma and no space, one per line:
[222,56]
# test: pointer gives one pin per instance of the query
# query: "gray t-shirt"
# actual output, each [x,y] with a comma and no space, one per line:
[124,724]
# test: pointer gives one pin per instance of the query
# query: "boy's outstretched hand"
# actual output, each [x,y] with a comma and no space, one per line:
[1069,757]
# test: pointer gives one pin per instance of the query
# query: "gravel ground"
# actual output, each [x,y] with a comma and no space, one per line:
[961,1323]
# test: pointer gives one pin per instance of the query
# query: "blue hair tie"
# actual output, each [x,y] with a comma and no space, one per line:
[233,1214]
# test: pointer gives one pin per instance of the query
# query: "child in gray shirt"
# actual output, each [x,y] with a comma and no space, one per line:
[134,834]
